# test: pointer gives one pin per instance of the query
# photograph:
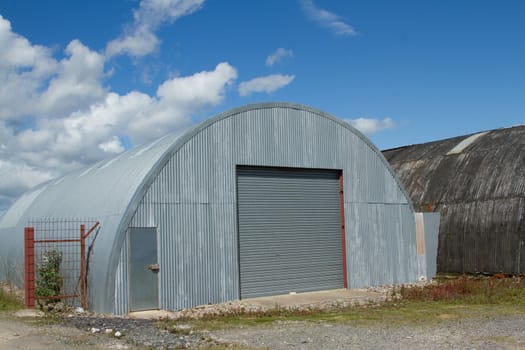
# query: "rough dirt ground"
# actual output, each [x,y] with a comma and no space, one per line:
[35,334]
[501,332]
[498,332]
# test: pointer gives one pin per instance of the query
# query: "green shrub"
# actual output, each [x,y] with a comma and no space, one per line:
[49,280]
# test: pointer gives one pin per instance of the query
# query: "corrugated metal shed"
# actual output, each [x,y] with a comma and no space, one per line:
[185,185]
[477,182]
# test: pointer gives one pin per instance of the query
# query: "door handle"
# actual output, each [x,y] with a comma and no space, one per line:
[154,267]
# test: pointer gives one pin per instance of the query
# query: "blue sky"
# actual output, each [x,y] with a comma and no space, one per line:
[81,81]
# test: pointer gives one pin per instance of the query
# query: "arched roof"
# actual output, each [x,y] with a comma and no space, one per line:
[113,186]
[480,166]
[477,182]
[111,190]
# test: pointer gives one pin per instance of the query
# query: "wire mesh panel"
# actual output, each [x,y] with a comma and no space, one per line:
[61,251]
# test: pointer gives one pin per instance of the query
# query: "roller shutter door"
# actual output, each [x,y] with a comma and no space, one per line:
[289,230]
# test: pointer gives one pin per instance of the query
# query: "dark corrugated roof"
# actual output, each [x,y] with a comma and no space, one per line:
[479,188]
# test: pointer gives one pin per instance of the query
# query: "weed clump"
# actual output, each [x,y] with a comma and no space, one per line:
[467,289]
[9,300]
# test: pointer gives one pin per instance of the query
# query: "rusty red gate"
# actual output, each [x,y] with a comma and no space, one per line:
[56,260]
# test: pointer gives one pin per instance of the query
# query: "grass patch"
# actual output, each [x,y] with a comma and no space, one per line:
[9,300]
[440,301]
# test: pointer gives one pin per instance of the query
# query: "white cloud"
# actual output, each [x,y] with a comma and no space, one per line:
[112,146]
[18,177]
[279,55]
[139,38]
[23,69]
[77,82]
[178,98]
[18,52]
[57,115]
[370,126]
[58,145]
[328,19]
[266,84]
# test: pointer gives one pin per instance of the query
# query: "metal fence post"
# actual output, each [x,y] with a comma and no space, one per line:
[29,266]
[83,291]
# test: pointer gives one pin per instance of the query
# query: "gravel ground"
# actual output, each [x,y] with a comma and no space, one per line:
[503,332]
[139,333]
[91,331]
[500,332]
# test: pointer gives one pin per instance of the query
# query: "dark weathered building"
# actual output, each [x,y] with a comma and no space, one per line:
[477,183]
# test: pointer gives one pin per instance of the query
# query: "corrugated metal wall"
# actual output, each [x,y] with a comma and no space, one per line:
[192,202]
[477,183]
[431,241]
[121,282]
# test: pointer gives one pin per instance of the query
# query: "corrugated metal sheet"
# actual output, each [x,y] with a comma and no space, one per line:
[193,199]
[184,184]
[289,231]
[480,193]
[427,231]
[121,282]
[420,246]
[380,244]
[431,224]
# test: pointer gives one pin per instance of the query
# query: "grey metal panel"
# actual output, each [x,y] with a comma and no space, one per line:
[289,231]
[121,282]
[380,244]
[420,246]
[184,184]
[192,199]
[143,280]
[431,242]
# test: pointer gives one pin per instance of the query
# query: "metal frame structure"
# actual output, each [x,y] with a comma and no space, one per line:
[184,184]
[33,258]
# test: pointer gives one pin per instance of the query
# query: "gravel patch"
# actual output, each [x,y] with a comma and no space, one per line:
[140,333]
[504,332]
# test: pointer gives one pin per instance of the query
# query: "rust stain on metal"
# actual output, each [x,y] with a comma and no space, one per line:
[420,234]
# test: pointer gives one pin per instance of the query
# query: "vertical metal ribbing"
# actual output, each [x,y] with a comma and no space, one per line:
[289,230]
[343,234]
[193,202]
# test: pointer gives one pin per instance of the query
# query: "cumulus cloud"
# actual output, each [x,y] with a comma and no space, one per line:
[23,69]
[266,84]
[139,38]
[279,55]
[112,146]
[57,115]
[77,81]
[370,126]
[92,134]
[328,19]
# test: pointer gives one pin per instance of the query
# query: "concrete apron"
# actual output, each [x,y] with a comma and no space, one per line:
[288,301]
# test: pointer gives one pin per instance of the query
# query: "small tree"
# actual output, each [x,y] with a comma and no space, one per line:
[49,282]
